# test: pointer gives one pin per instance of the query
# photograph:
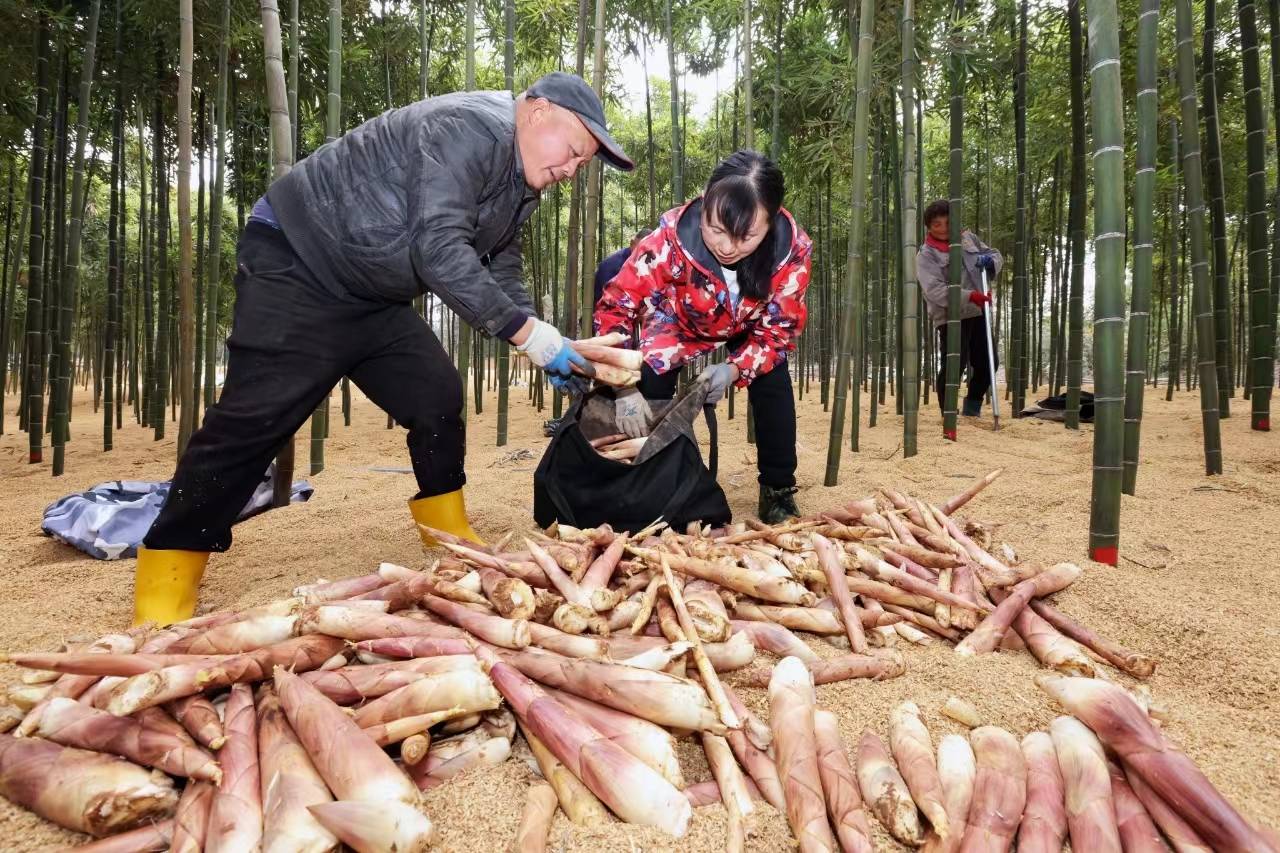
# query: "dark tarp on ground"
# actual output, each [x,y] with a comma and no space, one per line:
[1055,408]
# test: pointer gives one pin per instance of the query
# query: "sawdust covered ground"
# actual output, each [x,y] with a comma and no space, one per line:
[1197,586]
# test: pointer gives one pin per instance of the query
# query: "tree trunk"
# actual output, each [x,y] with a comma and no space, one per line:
[1107,108]
[282,162]
[186,295]
[1273,10]
[146,221]
[748,103]
[35,251]
[875,285]
[114,292]
[504,349]
[955,258]
[775,135]
[677,156]
[204,142]
[1218,213]
[160,393]
[425,35]
[1201,288]
[909,391]
[1018,335]
[464,334]
[56,254]
[6,294]
[1258,378]
[1143,237]
[855,269]
[1075,222]
[591,230]
[333,129]
[213,297]
[1175,278]
[648,126]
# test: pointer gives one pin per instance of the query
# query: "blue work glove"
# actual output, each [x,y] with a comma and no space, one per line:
[987,261]
[718,378]
[546,348]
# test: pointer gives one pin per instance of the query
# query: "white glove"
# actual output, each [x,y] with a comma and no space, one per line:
[549,350]
[631,413]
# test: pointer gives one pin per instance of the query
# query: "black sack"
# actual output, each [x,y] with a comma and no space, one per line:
[576,485]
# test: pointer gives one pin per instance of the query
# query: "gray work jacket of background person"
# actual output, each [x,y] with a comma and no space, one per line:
[427,197]
[933,269]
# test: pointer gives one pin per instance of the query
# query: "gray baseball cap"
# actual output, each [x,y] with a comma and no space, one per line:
[572,92]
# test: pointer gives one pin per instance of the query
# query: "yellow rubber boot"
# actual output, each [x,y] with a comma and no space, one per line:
[165,585]
[447,512]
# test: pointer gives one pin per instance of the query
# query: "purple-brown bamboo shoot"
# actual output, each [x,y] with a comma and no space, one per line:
[85,791]
[999,791]
[791,718]
[912,749]
[1125,728]
[632,789]
[840,787]
[833,570]
[1044,818]
[235,818]
[72,723]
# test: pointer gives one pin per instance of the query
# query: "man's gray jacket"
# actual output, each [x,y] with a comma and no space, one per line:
[933,270]
[427,197]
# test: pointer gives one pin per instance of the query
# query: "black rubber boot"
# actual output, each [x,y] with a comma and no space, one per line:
[777,504]
[972,408]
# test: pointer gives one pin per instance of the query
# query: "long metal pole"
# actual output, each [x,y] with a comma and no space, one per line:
[991,355]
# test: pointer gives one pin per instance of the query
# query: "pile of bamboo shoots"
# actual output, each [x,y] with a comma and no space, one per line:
[318,719]
[1105,778]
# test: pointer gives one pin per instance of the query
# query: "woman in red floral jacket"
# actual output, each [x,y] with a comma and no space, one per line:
[728,267]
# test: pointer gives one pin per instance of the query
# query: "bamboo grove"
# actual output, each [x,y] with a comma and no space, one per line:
[1120,153]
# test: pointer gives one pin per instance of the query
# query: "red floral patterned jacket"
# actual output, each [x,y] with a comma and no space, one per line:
[672,286]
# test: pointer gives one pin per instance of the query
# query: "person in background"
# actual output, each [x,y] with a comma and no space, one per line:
[612,264]
[933,269]
[428,197]
[731,266]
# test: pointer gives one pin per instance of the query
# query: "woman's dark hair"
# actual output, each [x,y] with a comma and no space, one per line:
[941,207]
[743,182]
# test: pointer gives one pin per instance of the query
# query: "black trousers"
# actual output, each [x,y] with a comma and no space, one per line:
[291,341]
[973,354]
[772,405]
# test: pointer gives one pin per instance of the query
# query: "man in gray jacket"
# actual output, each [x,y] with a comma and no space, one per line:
[933,269]
[428,197]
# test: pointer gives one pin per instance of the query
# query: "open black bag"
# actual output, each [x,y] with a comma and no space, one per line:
[576,485]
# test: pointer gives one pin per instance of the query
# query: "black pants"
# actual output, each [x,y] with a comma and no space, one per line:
[973,354]
[291,341]
[772,405]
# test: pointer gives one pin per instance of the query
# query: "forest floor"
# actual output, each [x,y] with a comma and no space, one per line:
[1197,586]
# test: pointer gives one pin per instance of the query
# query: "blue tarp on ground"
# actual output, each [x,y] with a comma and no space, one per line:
[109,520]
